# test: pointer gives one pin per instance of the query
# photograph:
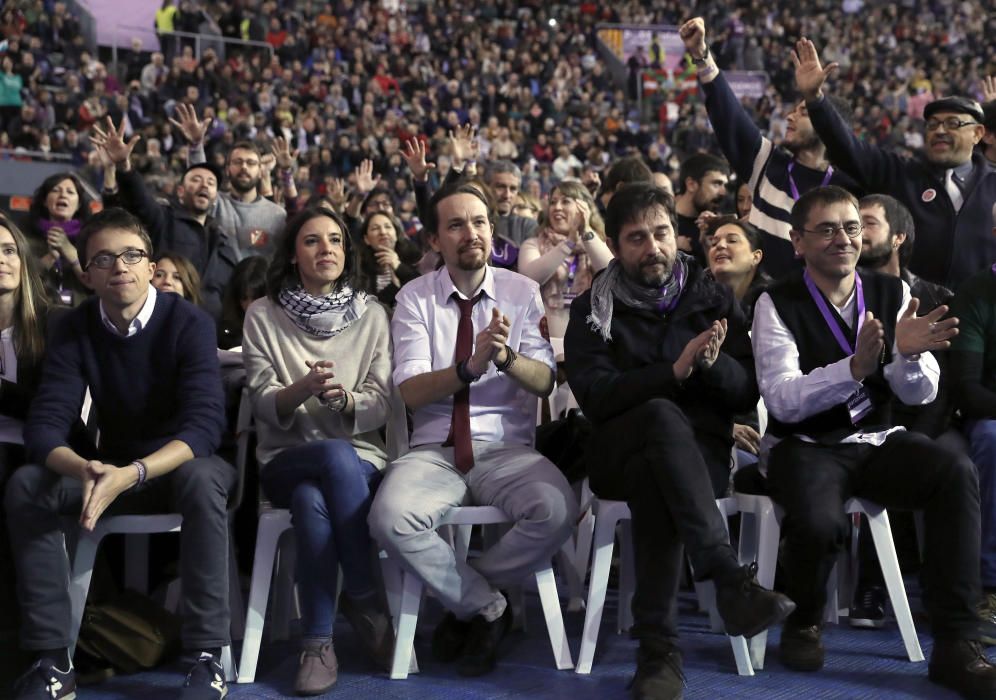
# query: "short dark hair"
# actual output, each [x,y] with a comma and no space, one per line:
[900,220]
[496,167]
[243,146]
[751,233]
[282,270]
[989,115]
[631,201]
[248,280]
[399,228]
[376,192]
[624,171]
[114,217]
[431,210]
[698,165]
[818,196]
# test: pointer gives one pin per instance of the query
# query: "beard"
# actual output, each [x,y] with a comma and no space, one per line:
[465,263]
[806,145]
[242,187]
[648,274]
[876,257]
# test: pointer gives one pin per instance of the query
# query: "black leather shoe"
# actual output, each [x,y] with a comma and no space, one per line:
[801,647]
[746,608]
[658,671]
[449,638]
[480,653]
[962,666]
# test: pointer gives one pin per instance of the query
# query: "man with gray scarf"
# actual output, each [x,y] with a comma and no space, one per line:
[658,356]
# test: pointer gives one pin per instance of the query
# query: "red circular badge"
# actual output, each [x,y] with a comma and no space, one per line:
[929,195]
[544,328]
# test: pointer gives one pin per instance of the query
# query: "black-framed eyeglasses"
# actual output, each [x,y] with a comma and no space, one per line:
[851,229]
[105,261]
[949,124]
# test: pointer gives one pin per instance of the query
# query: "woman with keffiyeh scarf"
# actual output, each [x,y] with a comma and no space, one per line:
[318,363]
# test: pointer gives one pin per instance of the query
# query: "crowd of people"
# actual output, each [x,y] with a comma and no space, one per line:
[402,205]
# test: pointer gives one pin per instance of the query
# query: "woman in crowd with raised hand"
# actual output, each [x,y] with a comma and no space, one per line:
[59,208]
[318,362]
[569,249]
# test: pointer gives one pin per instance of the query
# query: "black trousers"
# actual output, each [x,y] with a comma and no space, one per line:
[651,458]
[37,499]
[908,472]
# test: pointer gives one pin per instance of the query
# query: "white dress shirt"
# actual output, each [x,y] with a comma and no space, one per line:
[791,396]
[424,330]
[139,322]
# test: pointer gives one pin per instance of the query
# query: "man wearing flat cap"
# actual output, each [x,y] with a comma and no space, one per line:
[949,188]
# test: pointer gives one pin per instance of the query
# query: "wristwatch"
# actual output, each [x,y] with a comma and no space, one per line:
[702,60]
[587,235]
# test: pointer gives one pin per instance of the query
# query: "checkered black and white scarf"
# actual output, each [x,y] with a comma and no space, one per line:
[324,316]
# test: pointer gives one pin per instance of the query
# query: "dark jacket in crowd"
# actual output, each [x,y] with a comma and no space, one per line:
[635,366]
[213,252]
[950,246]
[408,252]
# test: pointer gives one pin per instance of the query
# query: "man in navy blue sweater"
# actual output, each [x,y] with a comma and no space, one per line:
[151,366]
[777,175]
[948,188]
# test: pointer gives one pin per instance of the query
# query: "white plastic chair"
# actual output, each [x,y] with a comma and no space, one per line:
[608,514]
[405,593]
[761,544]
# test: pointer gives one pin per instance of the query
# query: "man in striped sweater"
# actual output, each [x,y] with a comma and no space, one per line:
[777,175]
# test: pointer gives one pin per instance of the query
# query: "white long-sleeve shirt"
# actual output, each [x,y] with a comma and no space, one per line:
[791,396]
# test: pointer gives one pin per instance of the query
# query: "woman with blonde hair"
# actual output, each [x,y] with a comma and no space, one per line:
[567,252]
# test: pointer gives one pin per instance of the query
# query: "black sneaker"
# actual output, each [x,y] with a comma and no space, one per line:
[43,681]
[205,681]
[480,653]
[962,666]
[659,673]
[746,608]
[801,647]
[374,628]
[449,638]
[868,609]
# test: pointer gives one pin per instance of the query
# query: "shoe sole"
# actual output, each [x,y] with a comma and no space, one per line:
[783,610]
[863,623]
[804,667]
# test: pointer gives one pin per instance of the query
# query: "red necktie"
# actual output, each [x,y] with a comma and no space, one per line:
[459,437]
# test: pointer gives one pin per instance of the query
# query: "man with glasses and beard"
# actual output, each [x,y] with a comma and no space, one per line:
[949,188]
[243,212]
[184,227]
[658,357]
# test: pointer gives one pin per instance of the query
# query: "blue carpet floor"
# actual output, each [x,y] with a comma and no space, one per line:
[860,664]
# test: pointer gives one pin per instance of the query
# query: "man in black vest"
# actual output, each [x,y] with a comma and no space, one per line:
[832,348]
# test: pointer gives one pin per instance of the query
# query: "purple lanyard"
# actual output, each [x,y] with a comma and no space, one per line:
[828,317]
[668,307]
[572,269]
[795,190]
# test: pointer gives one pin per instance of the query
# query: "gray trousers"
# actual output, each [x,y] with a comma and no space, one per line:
[423,485]
[37,500]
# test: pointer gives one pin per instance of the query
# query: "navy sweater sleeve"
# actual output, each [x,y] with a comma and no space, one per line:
[738,136]
[875,169]
[134,197]
[59,399]
[201,397]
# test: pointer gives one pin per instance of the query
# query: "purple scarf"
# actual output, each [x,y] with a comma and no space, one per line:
[71,227]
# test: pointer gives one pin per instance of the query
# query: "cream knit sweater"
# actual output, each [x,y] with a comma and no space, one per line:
[275,350]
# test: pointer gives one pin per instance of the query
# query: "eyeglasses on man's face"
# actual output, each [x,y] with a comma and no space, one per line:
[949,124]
[852,229]
[105,261]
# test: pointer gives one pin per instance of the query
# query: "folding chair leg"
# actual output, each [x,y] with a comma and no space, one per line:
[886,549]
[546,583]
[407,620]
[598,581]
[79,586]
[259,592]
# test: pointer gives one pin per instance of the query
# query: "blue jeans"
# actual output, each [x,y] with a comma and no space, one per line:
[982,448]
[328,489]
